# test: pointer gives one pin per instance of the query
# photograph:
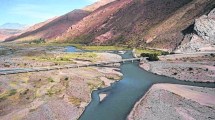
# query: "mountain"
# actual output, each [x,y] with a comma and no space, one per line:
[5,33]
[136,23]
[16,26]
[83,31]
[53,28]
[98,4]
[143,23]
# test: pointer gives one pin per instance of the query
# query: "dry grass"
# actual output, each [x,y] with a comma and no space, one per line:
[75,101]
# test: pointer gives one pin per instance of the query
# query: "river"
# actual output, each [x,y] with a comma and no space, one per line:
[122,95]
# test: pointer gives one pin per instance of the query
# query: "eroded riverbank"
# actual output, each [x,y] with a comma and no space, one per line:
[196,67]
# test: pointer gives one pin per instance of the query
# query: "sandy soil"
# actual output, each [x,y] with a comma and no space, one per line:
[175,102]
[188,67]
[60,94]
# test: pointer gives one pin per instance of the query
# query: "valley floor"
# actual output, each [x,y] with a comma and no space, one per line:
[59,94]
[64,94]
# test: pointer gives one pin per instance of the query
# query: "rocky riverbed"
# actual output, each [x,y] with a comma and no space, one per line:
[59,94]
[175,102]
[179,102]
[196,67]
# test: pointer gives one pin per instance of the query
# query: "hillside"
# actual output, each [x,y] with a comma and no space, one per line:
[5,33]
[53,28]
[136,23]
[151,23]
[98,4]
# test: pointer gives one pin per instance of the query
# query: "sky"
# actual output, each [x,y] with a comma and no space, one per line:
[29,12]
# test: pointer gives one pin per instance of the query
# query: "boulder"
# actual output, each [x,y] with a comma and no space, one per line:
[203,36]
[205,27]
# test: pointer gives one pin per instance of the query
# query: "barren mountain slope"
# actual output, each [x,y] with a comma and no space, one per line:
[81,31]
[54,27]
[98,4]
[51,28]
[5,33]
[155,23]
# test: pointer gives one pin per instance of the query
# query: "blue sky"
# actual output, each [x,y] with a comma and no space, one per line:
[30,12]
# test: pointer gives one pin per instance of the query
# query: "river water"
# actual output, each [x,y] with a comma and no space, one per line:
[122,95]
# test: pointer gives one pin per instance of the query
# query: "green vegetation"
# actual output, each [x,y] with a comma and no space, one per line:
[95,84]
[12,92]
[151,56]
[140,51]
[158,52]
[100,48]
[6,94]
[75,101]
[38,41]
[83,39]
[65,58]
[50,80]
[53,90]
[3,52]
[113,77]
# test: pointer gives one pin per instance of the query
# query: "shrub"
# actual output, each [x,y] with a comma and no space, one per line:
[151,56]
[50,80]
[165,53]
[38,41]
[212,55]
[190,69]
[12,92]
[172,53]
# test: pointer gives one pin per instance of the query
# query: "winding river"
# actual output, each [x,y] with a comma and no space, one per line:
[122,95]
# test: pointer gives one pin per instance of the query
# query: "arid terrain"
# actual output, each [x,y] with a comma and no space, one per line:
[197,67]
[59,94]
[142,23]
[175,43]
[176,102]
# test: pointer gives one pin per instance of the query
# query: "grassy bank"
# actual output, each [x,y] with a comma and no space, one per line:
[138,52]
[65,58]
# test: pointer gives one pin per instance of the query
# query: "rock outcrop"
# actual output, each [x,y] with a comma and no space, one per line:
[203,36]
[205,27]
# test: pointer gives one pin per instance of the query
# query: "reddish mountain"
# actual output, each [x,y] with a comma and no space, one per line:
[83,30]
[98,4]
[147,23]
[52,28]
[5,33]
[151,23]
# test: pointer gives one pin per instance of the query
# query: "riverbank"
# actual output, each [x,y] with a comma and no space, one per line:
[58,94]
[198,67]
[169,101]
[172,101]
